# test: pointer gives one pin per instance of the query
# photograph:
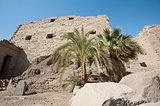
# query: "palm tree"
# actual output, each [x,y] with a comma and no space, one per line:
[79,48]
[121,48]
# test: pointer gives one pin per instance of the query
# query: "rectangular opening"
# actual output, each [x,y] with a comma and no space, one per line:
[52,20]
[49,36]
[4,72]
[28,37]
[71,18]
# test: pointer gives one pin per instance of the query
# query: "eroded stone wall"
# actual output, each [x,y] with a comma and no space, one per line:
[149,40]
[40,38]
[8,49]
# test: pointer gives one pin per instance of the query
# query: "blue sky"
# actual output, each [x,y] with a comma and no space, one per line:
[130,15]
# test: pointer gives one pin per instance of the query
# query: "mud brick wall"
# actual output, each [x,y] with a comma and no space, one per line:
[149,39]
[40,38]
[8,48]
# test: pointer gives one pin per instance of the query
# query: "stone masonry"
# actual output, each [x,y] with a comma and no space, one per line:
[40,38]
[8,57]
[149,40]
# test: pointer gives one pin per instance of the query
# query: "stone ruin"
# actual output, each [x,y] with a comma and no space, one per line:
[33,42]
[13,62]
[8,56]
[149,40]
[40,38]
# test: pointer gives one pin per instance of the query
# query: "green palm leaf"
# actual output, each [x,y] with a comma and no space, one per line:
[79,48]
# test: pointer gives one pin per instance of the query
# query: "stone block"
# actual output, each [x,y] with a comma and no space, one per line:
[20,88]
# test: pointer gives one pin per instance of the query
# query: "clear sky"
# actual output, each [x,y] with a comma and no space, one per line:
[129,15]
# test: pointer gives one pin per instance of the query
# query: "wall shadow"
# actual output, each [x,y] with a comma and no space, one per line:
[22,64]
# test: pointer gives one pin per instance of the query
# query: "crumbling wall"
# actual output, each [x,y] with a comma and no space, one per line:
[40,38]
[149,40]
[10,50]
[21,64]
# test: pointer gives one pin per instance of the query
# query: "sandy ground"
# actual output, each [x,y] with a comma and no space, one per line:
[43,99]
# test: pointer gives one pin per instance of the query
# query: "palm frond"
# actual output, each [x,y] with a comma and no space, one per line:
[119,45]
[116,32]
[79,48]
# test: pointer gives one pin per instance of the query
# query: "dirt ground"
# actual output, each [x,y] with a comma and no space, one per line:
[42,99]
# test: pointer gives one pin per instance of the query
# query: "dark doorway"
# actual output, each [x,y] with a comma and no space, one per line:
[4,72]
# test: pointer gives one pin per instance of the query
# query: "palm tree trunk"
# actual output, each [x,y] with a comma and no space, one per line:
[119,70]
[83,74]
